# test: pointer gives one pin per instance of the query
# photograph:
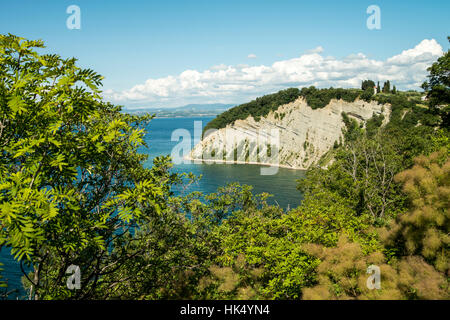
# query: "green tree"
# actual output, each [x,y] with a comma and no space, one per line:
[438,87]
[367,84]
[73,188]
[367,94]
[387,87]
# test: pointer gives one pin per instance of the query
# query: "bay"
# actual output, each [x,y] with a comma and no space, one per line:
[281,185]
[159,141]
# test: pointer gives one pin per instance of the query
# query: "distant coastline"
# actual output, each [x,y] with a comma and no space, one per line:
[188,111]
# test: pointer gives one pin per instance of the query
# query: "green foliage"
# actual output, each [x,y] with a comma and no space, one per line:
[261,236]
[257,108]
[319,98]
[367,94]
[352,129]
[438,87]
[71,177]
[410,128]
[365,165]
[367,84]
[439,79]
[373,124]
[73,190]
[387,87]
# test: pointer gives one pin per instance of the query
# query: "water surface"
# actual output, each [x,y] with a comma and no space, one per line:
[282,185]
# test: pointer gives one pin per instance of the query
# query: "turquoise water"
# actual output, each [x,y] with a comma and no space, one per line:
[282,185]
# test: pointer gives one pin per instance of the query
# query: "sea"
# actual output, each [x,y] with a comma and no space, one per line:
[165,134]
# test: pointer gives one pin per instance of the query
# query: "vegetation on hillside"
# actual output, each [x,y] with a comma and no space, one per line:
[256,108]
[260,107]
[315,98]
[74,191]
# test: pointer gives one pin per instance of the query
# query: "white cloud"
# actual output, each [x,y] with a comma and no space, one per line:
[232,84]
[318,49]
[251,56]
[422,52]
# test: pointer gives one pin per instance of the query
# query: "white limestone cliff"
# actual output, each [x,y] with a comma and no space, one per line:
[294,136]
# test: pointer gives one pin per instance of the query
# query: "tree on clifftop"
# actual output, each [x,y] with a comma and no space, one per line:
[367,84]
[387,87]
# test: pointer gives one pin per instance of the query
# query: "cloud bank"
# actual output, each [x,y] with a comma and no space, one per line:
[240,83]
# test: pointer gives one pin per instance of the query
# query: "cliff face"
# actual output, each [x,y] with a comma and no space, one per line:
[294,135]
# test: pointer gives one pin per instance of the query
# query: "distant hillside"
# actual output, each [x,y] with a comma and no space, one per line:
[190,110]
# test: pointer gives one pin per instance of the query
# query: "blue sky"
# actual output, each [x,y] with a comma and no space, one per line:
[132,41]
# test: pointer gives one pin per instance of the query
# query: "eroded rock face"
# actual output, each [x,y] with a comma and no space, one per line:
[294,135]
